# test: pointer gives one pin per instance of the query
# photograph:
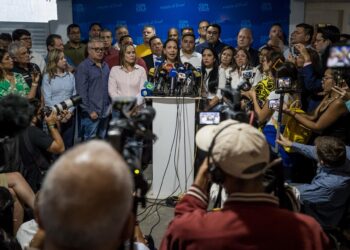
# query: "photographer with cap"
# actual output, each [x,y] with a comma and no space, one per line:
[237,157]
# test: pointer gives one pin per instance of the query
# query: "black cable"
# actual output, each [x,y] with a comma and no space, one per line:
[163,177]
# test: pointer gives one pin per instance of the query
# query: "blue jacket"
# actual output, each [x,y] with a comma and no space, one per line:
[312,85]
[326,197]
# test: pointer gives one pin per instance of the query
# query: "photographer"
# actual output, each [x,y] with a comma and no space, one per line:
[331,117]
[237,157]
[36,147]
[327,196]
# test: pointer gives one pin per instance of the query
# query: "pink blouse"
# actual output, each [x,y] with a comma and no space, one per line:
[124,83]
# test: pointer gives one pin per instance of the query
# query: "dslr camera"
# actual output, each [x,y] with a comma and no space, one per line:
[60,107]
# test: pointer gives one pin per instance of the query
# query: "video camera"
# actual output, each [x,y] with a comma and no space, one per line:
[60,107]
[231,108]
[125,133]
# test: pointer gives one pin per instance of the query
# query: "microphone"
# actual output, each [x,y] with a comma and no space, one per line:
[148,89]
[151,74]
[172,75]
[158,62]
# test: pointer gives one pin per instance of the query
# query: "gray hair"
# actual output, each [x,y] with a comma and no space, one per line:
[94,40]
[14,47]
[86,198]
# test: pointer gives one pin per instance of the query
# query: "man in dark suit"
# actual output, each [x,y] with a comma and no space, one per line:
[156,46]
[244,41]
[213,40]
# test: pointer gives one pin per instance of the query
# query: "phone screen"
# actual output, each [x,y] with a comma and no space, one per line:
[207,118]
[274,104]
[339,56]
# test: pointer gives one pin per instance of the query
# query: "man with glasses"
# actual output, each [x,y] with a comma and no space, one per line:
[202,31]
[91,80]
[24,37]
[212,39]
[74,48]
[325,37]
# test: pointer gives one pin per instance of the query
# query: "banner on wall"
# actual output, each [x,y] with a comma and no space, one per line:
[231,15]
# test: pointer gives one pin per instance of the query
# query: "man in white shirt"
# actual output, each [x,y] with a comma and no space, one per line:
[187,53]
[24,37]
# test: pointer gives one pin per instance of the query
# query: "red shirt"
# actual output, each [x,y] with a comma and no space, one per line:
[247,221]
[113,60]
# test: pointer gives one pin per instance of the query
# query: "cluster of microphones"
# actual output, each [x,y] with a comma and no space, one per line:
[167,80]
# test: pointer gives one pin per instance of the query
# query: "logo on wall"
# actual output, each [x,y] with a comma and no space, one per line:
[246,23]
[141,7]
[203,7]
[183,24]
[263,39]
[266,6]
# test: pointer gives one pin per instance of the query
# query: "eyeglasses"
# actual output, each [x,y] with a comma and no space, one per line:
[97,49]
[203,27]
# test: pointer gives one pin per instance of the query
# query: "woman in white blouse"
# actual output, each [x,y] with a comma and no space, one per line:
[212,81]
[129,78]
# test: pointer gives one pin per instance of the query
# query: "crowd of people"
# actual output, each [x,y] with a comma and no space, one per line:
[60,197]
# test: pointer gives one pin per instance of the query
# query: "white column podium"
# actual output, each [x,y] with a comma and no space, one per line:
[173,152]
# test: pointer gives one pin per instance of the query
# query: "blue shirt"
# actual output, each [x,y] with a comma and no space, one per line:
[326,197]
[58,88]
[92,86]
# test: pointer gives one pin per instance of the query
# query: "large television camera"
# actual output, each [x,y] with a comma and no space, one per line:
[126,134]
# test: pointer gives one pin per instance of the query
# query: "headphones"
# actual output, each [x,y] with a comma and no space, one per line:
[217,175]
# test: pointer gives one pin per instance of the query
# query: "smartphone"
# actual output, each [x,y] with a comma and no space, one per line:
[284,83]
[274,104]
[209,118]
[339,56]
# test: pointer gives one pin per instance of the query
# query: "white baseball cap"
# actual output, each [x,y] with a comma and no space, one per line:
[240,150]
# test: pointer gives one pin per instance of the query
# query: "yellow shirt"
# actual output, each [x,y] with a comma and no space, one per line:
[143,50]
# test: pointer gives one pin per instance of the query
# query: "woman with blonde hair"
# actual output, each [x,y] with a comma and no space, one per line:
[59,85]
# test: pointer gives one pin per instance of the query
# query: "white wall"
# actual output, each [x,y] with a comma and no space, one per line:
[65,17]
[336,13]
[297,13]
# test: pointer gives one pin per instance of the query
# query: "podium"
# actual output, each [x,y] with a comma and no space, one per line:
[173,151]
